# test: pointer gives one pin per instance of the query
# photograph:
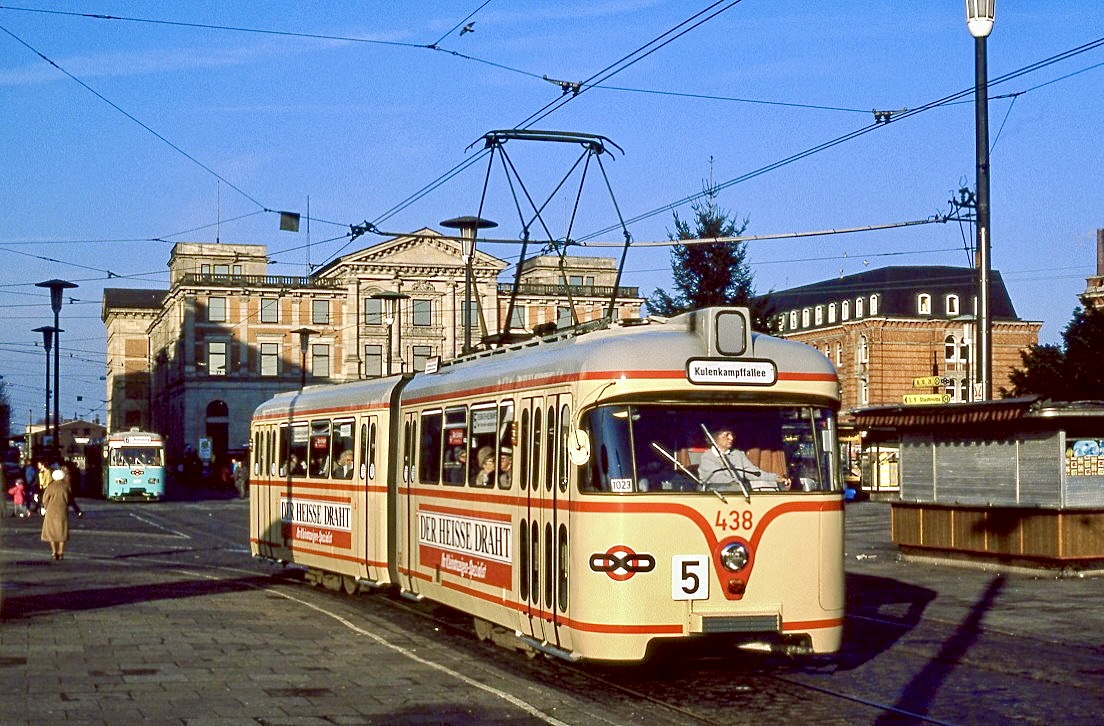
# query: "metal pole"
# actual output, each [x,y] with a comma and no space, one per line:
[57,380]
[981,116]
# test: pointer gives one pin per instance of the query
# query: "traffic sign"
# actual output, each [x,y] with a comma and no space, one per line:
[926,398]
[927,382]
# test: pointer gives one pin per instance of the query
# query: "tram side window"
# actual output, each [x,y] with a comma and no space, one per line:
[457,461]
[297,449]
[562,463]
[256,453]
[523,438]
[319,465]
[372,450]
[506,441]
[343,450]
[429,448]
[482,457]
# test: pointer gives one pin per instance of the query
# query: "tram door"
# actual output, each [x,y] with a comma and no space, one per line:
[408,514]
[543,532]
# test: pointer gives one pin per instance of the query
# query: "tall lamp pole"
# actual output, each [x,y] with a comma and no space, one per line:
[304,340]
[468,227]
[47,341]
[57,288]
[979,19]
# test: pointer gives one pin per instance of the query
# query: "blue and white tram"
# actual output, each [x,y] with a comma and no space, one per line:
[134,466]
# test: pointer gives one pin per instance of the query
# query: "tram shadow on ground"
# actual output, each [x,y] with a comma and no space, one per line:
[880,611]
[15,607]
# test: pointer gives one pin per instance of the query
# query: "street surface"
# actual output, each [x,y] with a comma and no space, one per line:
[157,613]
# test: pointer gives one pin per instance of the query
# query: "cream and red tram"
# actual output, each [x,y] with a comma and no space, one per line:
[592,535]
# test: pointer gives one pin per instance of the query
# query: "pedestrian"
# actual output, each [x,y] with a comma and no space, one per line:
[56,501]
[18,494]
[241,478]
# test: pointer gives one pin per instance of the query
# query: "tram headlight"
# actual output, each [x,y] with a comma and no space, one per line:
[735,557]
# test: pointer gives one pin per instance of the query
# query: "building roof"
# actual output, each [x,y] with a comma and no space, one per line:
[897,287]
[133,298]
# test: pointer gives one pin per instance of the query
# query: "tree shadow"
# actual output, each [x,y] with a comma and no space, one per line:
[918,695]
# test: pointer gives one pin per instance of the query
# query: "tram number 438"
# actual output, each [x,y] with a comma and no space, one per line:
[735,520]
[690,577]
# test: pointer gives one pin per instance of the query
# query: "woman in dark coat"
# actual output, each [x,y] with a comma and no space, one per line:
[56,500]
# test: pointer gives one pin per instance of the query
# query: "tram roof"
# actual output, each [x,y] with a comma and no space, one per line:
[650,349]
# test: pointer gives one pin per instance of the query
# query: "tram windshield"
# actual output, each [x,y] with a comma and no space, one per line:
[136,456]
[665,448]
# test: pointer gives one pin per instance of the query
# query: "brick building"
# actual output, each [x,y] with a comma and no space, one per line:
[195,360]
[883,328]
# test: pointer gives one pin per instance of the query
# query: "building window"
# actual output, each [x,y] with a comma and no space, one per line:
[470,311]
[845,310]
[216,310]
[320,360]
[236,269]
[320,312]
[864,350]
[873,304]
[373,360]
[216,358]
[270,359]
[517,318]
[950,349]
[205,269]
[858,307]
[421,354]
[818,315]
[831,313]
[270,310]
[373,311]
[952,304]
[864,392]
[421,312]
[563,317]
[805,317]
[964,350]
[793,320]
[923,304]
[575,280]
[839,354]
[222,269]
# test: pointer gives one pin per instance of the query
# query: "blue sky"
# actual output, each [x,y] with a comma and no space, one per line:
[197,129]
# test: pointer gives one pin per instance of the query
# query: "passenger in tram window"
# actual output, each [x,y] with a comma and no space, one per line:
[456,465]
[505,468]
[343,469]
[485,477]
[736,467]
[293,467]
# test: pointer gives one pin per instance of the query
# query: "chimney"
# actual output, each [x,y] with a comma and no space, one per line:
[1099,252]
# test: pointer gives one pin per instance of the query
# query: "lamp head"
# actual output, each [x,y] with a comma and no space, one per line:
[979,17]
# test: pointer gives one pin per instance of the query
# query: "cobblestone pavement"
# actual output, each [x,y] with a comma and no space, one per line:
[158,614]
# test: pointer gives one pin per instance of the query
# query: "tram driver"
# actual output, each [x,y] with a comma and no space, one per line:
[735,467]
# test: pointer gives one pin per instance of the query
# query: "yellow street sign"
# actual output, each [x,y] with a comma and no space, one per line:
[926,398]
[927,382]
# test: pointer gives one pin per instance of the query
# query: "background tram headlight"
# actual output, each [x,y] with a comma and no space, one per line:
[734,557]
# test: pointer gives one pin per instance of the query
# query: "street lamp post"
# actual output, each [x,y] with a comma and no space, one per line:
[47,341]
[391,301]
[468,227]
[57,287]
[979,19]
[304,340]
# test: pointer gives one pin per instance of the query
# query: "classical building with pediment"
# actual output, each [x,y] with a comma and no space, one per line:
[194,361]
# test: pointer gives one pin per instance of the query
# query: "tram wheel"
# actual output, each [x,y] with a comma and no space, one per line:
[350,585]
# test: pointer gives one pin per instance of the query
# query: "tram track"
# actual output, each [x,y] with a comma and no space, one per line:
[659,697]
